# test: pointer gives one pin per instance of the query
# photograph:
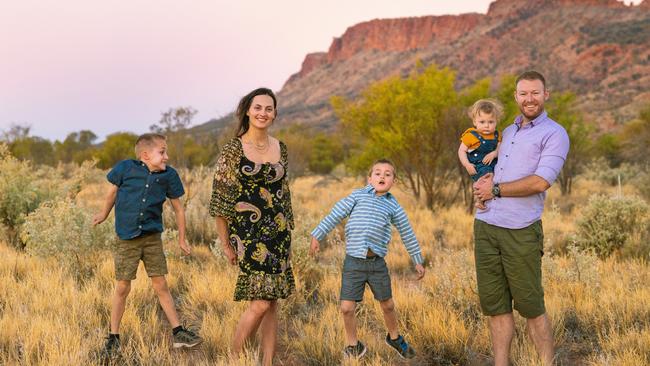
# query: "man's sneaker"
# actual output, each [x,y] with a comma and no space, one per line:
[111,348]
[355,351]
[186,338]
[400,345]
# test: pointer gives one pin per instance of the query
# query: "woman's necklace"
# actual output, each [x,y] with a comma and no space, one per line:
[261,148]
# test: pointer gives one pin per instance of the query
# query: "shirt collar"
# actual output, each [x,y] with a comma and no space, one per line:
[369,189]
[541,118]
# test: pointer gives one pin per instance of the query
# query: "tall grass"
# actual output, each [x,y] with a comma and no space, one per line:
[598,308]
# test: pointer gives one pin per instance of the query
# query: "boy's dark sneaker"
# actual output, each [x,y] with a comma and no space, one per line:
[186,338]
[356,351]
[400,345]
[111,348]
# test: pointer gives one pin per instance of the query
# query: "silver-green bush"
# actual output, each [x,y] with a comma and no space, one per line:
[609,223]
[64,230]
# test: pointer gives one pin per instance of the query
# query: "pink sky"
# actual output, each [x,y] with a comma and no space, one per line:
[115,66]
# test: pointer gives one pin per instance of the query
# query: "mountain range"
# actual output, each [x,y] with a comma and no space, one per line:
[598,49]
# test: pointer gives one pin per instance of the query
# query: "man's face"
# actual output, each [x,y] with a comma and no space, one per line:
[382,177]
[530,96]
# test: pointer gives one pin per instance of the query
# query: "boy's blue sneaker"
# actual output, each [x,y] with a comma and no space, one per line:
[400,345]
[356,351]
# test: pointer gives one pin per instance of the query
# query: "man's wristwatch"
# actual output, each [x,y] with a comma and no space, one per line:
[496,190]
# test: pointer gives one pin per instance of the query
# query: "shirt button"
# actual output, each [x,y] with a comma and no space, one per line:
[141,214]
[513,142]
[139,226]
[506,156]
[143,200]
[147,186]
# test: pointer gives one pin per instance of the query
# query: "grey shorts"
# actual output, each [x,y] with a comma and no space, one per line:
[358,271]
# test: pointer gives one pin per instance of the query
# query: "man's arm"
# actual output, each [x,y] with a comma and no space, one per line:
[552,158]
[109,202]
[179,211]
[523,187]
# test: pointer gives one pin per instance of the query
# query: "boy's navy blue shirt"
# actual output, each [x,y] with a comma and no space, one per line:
[140,197]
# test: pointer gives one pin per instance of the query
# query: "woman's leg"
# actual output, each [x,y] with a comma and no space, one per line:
[269,329]
[248,323]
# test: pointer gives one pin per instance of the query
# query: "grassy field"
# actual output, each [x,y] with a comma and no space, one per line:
[52,315]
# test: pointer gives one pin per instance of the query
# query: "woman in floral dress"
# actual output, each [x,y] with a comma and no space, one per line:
[252,206]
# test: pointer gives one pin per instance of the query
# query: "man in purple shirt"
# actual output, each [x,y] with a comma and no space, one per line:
[508,236]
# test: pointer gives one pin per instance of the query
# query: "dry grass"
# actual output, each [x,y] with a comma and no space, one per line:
[599,309]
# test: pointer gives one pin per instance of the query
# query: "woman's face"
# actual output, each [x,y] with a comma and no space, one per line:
[261,112]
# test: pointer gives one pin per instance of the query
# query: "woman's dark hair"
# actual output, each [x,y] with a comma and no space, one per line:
[245,104]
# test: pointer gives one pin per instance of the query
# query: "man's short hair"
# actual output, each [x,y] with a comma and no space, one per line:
[487,106]
[147,141]
[383,161]
[531,75]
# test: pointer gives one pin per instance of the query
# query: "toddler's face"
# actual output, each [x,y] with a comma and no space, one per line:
[156,156]
[382,177]
[485,123]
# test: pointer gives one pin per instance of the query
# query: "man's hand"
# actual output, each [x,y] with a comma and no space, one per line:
[184,247]
[489,157]
[471,169]
[314,248]
[483,188]
[419,268]
[99,218]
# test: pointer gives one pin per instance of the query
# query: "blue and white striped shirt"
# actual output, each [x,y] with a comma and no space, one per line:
[369,224]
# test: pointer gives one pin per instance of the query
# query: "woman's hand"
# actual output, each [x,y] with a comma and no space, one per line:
[230,254]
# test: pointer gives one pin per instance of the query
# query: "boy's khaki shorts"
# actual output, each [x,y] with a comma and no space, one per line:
[509,269]
[128,253]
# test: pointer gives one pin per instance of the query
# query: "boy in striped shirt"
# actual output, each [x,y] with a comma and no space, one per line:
[371,212]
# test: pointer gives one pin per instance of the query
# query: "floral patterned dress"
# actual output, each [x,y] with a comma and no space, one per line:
[256,201]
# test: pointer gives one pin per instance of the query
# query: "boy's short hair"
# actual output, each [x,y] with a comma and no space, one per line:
[487,106]
[147,141]
[383,161]
[531,75]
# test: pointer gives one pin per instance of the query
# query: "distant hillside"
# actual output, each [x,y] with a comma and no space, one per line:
[599,49]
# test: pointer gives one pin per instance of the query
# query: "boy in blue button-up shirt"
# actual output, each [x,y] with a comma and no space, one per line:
[138,190]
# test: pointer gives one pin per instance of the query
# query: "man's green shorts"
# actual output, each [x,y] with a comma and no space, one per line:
[509,269]
[146,247]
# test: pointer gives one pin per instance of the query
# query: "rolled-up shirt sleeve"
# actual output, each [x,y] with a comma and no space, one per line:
[554,154]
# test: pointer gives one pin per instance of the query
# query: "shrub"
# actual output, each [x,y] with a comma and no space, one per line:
[609,223]
[64,230]
[20,192]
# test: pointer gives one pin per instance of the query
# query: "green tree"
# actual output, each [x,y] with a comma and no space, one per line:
[414,122]
[561,107]
[608,145]
[635,138]
[118,146]
[174,124]
[77,147]
[325,153]
[25,147]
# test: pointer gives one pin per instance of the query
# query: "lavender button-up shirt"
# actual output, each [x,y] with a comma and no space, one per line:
[540,148]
